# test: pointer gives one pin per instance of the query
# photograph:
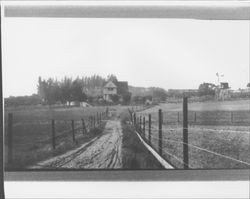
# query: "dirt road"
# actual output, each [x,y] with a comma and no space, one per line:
[100,152]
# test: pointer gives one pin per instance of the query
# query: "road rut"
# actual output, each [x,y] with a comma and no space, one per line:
[102,152]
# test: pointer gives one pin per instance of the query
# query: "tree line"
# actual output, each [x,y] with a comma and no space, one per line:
[69,89]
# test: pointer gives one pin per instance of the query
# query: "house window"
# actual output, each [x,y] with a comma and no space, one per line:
[110,89]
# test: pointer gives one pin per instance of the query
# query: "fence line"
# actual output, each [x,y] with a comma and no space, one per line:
[206,150]
[142,131]
[220,130]
[231,118]
[172,155]
[76,126]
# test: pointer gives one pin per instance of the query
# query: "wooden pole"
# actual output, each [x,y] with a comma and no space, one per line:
[140,123]
[89,123]
[194,116]
[185,132]
[178,117]
[232,117]
[135,119]
[73,130]
[53,134]
[97,119]
[144,126]
[9,136]
[149,129]
[107,111]
[84,130]
[160,132]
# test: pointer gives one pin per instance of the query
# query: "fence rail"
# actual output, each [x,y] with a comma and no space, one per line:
[84,125]
[142,129]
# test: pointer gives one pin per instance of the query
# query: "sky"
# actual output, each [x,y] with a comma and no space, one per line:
[167,53]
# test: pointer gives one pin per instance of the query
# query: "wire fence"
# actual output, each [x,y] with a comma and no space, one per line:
[46,134]
[157,134]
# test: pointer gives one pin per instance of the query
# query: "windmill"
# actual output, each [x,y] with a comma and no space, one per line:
[218,78]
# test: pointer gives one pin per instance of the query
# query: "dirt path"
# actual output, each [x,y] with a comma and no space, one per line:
[101,152]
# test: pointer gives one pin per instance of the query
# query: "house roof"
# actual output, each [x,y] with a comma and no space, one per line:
[110,84]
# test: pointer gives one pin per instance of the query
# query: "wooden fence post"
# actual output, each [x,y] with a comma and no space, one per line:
[194,116]
[140,124]
[144,126]
[97,118]
[232,117]
[135,119]
[149,129]
[53,134]
[90,123]
[9,136]
[160,132]
[73,130]
[185,132]
[107,111]
[94,121]
[84,130]
[131,116]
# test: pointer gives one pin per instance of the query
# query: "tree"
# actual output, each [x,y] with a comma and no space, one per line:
[207,89]
[66,90]
[248,85]
[112,78]
[160,93]
[115,98]
[126,98]
[77,93]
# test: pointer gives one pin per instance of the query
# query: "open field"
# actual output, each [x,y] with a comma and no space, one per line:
[45,114]
[218,138]
[237,105]
[203,141]
[32,132]
[32,136]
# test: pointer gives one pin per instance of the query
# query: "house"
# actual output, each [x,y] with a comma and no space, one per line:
[119,89]
[109,90]
[223,91]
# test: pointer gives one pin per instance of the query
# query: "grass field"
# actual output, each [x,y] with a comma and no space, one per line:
[217,127]
[32,132]
[219,130]
[237,105]
[134,154]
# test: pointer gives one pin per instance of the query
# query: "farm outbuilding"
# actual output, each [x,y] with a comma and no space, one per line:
[223,91]
[119,88]
[108,90]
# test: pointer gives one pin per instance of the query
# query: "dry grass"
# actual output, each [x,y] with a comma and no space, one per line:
[215,130]
[32,133]
[232,141]
[134,153]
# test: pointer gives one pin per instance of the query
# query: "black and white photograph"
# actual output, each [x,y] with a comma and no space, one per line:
[126,90]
